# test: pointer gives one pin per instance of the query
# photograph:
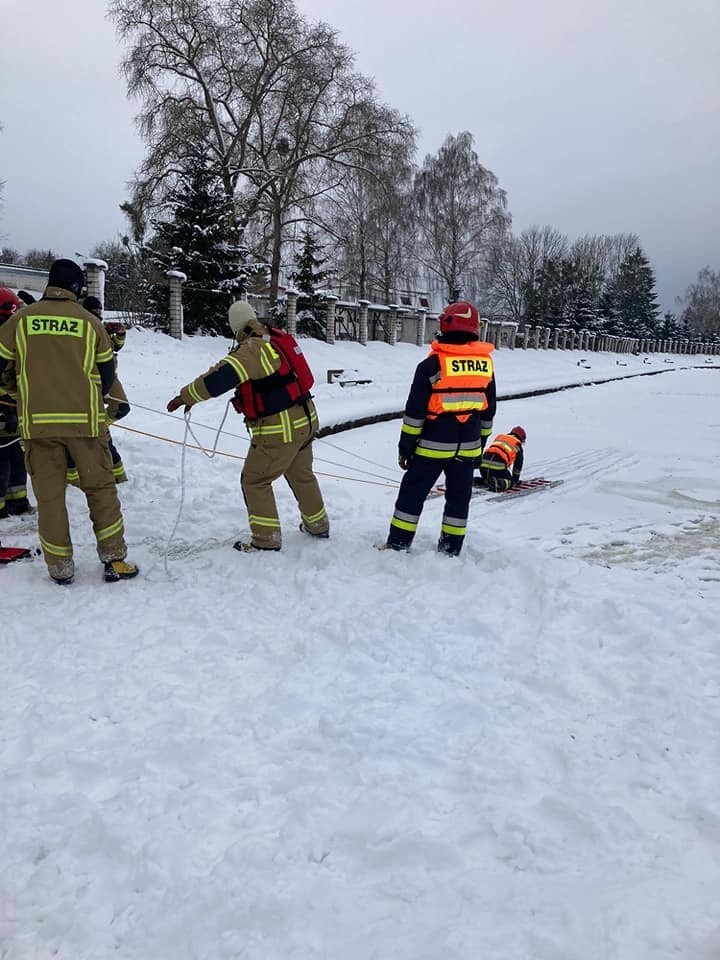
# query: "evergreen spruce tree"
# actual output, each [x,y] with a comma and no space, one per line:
[608,310]
[635,301]
[308,274]
[584,284]
[669,327]
[199,241]
[585,313]
[550,294]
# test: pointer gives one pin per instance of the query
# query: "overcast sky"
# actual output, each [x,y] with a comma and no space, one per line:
[597,116]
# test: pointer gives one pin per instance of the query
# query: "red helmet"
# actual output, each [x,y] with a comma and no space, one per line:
[9,302]
[461,317]
[519,432]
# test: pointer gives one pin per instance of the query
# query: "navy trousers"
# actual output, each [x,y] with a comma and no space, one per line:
[419,479]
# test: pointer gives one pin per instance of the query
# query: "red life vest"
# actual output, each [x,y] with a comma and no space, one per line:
[290,384]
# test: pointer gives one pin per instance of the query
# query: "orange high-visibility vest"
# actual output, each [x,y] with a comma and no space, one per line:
[466,370]
[505,446]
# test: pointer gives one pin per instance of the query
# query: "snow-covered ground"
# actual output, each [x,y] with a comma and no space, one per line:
[333,752]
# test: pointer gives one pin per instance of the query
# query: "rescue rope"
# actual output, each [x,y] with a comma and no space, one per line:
[209,454]
[380,482]
[182,500]
[238,436]
[234,456]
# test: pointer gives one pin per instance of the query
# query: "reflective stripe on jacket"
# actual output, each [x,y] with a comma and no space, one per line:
[254,360]
[506,447]
[60,351]
[466,370]
[454,432]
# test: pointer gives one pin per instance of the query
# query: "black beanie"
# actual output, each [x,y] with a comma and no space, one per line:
[92,304]
[68,275]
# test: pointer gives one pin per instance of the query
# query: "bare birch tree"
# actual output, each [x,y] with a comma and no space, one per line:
[275,100]
[701,313]
[517,263]
[461,216]
[368,216]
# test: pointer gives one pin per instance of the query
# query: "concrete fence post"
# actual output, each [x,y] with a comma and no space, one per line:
[392,324]
[291,312]
[420,329]
[330,319]
[363,321]
[95,278]
[175,279]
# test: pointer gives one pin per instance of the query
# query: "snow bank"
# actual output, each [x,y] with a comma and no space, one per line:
[334,752]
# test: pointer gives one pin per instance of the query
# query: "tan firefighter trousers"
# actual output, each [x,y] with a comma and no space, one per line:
[46,462]
[270,458]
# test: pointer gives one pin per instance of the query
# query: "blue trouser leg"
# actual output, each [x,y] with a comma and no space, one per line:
[417,482]
[458,490]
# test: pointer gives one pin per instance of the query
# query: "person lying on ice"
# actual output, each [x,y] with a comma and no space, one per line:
[449,409]
[502,461]
[272,382]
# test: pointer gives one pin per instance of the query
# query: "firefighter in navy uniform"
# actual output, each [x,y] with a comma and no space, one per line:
[502,461]
[13,476]
[272,381]
[64,367]
[449,410]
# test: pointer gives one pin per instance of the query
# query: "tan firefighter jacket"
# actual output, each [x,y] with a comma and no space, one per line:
[63,365]
[254,359]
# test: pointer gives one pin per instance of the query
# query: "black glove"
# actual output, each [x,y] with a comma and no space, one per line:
[515,481]
[122,411]
[404,462]
[176,403]
[11,421]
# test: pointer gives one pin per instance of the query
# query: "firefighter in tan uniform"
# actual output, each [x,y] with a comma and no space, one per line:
[117,405]
[64,367]
[272,381]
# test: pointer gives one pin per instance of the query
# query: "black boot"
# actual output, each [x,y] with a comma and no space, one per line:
[448,545]
[17,508]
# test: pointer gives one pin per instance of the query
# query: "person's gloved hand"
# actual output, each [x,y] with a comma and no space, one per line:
[176,403]
[11,421]
[515,481]
[404,462]
[118,412]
